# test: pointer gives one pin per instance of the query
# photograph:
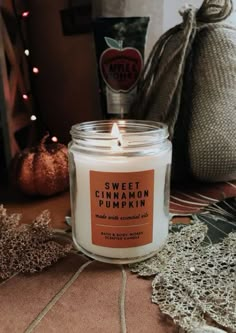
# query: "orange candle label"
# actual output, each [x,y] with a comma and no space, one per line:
[122,208]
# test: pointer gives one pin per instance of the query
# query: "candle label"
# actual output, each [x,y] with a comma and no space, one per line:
[122,208]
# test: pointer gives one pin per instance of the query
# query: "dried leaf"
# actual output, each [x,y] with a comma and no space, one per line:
[27,248]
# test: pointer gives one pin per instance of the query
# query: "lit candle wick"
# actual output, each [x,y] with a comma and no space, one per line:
[115,133]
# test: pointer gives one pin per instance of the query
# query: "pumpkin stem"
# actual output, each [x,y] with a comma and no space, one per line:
[42,142]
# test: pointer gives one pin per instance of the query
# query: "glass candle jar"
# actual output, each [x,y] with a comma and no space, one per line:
[119,184]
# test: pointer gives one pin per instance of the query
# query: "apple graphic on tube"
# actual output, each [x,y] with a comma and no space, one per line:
[120,67]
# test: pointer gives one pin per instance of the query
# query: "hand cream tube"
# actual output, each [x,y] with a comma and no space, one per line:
[120,44]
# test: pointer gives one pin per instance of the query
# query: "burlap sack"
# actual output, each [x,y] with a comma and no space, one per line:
[189,82]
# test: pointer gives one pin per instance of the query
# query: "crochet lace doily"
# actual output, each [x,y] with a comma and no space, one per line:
[194,280]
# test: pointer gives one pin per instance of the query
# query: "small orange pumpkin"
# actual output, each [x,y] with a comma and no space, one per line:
[42,170]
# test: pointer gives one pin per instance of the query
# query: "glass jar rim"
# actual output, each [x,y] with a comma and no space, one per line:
[135,130]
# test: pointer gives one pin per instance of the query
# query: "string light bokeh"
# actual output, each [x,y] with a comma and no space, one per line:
[22,18]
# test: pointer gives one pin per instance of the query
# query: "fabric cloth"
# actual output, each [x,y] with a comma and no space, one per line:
[71,297]
[189,83]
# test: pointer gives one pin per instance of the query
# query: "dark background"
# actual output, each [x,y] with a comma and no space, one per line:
[59,37]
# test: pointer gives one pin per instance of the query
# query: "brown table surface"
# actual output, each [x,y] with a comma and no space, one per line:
[61,300]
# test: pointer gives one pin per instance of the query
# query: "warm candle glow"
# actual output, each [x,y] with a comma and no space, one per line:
[115,133]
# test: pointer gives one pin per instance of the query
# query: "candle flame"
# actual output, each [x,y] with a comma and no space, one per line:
[115,133]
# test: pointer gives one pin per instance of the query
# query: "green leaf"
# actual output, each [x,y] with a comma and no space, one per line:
[113,43]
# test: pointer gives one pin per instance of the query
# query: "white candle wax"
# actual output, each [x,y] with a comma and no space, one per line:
[119,205]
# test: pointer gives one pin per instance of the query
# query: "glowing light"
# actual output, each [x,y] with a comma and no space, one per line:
[25,14]
[25,97]
[54,139]
[35,70]
[27,52]
[33,117]
[115,132]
